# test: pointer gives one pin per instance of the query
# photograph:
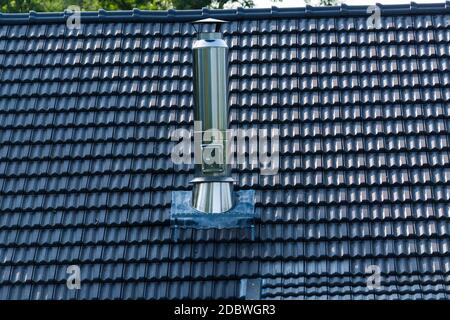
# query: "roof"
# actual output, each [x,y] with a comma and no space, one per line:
[274,12]
[364,180]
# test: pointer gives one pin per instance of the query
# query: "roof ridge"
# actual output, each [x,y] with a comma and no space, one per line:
[172,15]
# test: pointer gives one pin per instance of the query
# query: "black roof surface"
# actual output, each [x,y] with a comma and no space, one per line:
[86,177]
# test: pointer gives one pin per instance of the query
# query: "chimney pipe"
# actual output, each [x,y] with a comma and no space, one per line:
[212,185]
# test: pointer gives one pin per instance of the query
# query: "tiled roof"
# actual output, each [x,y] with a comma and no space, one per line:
[86,177]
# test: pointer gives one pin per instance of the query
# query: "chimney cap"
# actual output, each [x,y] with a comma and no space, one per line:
[209,20]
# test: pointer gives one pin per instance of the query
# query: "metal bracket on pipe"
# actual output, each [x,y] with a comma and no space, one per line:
[242,215]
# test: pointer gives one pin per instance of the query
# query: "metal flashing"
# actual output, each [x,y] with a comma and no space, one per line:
[242,215]
[250,289]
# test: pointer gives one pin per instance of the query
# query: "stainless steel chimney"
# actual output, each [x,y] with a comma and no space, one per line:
[212,185]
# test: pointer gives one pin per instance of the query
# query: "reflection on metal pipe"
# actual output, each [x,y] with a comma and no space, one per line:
[210,81]
[212,197]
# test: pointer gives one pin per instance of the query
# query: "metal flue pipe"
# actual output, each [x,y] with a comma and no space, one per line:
[213,185]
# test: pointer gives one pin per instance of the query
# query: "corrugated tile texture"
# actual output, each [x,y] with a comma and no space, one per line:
[364,179]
